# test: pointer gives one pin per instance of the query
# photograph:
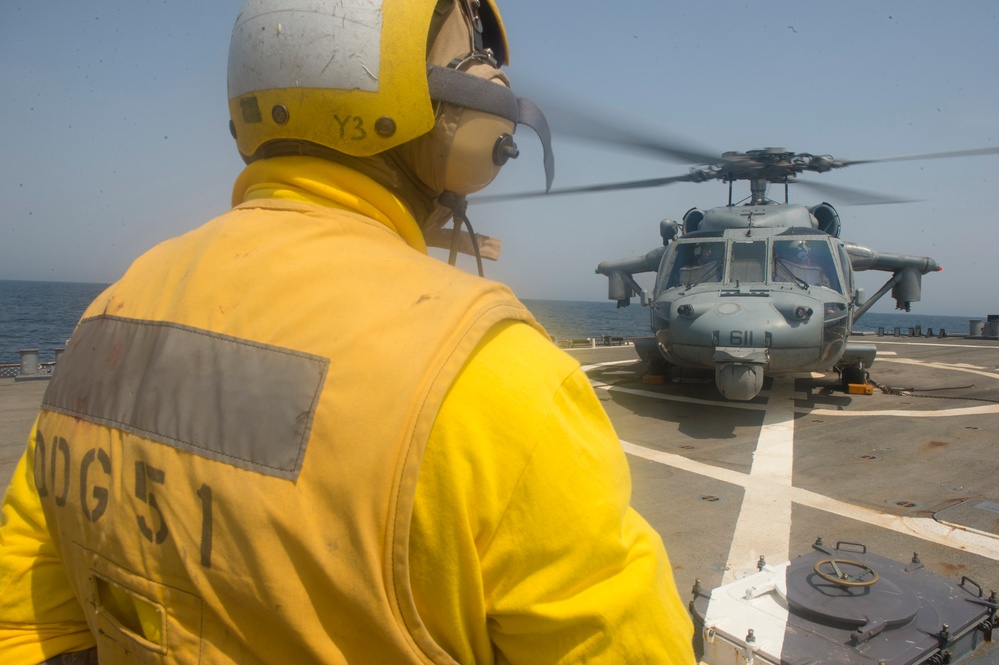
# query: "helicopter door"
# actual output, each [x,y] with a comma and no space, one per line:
[749,260]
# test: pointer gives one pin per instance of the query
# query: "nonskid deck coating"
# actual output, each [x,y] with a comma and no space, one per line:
[913,471]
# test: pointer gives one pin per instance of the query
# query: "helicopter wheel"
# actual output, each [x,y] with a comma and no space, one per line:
[854,374]
[658,366]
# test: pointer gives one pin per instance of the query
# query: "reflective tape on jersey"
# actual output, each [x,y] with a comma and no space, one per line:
[232,400]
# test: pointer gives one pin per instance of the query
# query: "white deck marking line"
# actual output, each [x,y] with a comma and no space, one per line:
[763,528]
[902,413]
[678,398]
[747,406]
[923,528]
[764,524]
[969,369]
[955,346]
[587,368]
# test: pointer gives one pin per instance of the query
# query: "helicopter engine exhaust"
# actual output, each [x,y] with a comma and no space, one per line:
[692,220]
[827,218]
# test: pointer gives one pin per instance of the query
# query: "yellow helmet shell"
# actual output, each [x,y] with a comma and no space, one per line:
[349,75]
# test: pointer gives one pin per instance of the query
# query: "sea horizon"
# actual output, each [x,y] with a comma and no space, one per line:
[41,315]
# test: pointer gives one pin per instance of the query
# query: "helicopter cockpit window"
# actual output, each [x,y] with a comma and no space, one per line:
[749,260]
[805,262]
[696,263]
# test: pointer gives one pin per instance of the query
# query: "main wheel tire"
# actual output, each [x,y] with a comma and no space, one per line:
[854,374]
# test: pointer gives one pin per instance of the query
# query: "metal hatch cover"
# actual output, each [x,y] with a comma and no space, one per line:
[842,604]
[853,604]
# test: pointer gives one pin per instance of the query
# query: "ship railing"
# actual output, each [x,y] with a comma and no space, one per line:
[13,370]
[591,342]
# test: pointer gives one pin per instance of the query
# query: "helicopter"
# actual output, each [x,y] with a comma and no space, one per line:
[757,287]
[760,288]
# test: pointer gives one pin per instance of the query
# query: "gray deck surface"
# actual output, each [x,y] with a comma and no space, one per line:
[911,471]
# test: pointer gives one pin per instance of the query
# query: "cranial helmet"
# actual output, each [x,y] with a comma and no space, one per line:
[800,251]
[364,77]
[701,249]
[795,251]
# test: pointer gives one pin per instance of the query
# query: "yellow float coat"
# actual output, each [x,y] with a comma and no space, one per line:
[186,546]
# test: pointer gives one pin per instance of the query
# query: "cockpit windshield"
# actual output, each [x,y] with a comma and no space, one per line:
[697,262]
[807,262]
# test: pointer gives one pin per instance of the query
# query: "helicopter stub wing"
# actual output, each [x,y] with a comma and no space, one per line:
[621,286]
[906,280]
[864,258]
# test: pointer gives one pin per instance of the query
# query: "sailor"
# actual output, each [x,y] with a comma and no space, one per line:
[705,253]
[802,263]
[291,436]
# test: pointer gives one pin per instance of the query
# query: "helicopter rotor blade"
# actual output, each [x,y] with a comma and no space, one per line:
[583,189]
[851,196]
[975,152]
[590,127]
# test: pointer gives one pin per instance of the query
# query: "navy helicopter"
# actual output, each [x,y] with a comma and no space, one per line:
[757,287]
[760,288]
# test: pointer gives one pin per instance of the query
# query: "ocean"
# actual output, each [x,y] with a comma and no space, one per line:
[42,315]
[566,319]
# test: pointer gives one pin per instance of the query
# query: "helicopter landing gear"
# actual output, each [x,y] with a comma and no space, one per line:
[854,374]
[659,369]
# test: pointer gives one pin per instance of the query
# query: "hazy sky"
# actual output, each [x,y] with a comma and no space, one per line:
[114,132]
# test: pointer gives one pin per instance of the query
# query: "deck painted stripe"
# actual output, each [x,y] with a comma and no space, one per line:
[587,368]
[763,528]
[987,409]
[907,413]
[954,346]
[678,398]
[962,367]
[764,525]
[923,528]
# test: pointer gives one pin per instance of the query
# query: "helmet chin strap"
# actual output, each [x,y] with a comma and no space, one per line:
[459,205]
